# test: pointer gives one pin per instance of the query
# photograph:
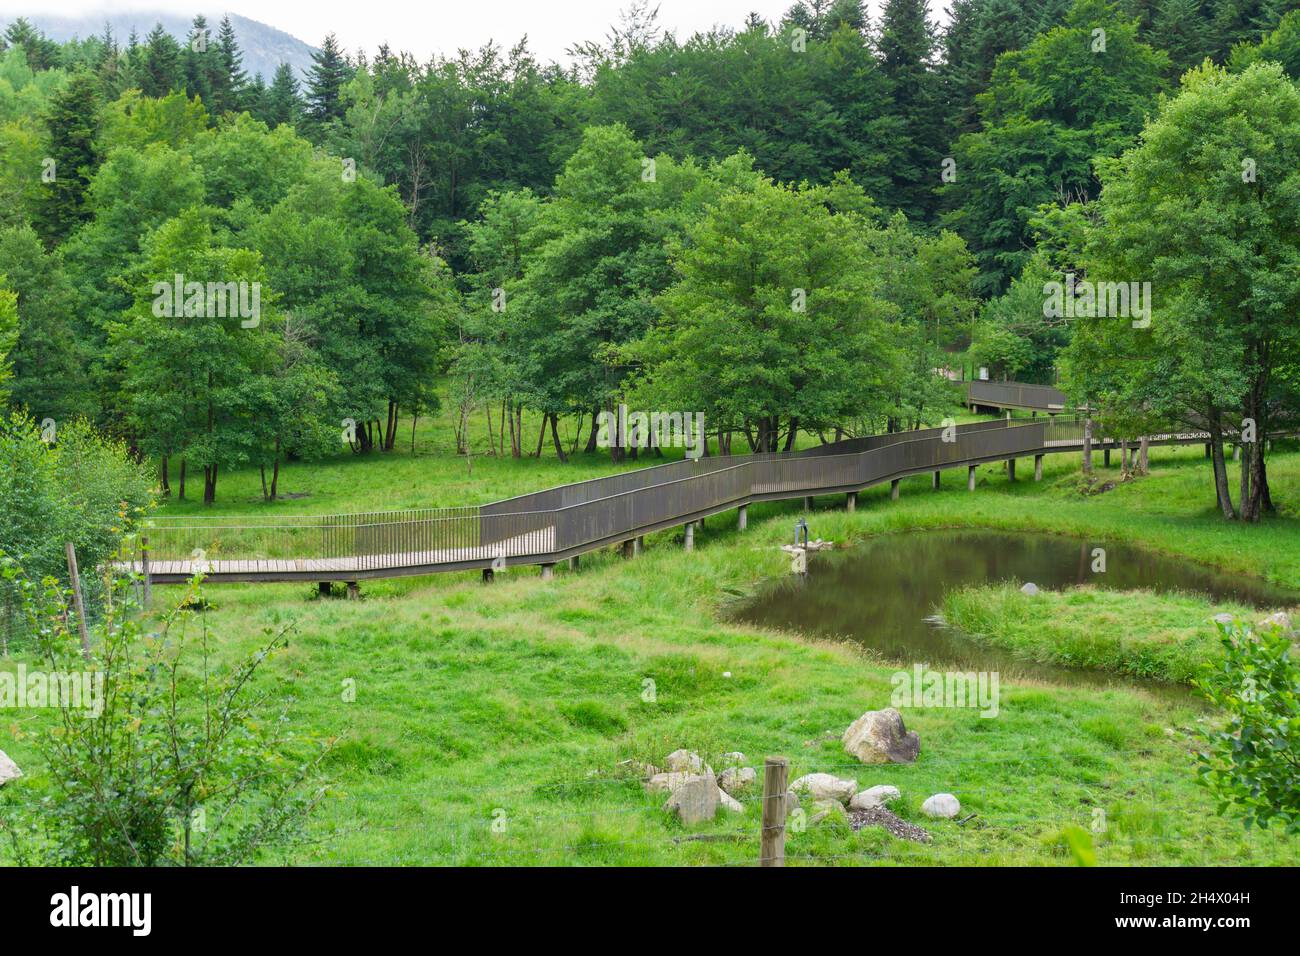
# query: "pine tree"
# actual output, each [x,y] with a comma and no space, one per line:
[907,46]
[234,79]
[330,70]
[1181,30]
[196,60]
[71,121]
[162,64]
[281,103]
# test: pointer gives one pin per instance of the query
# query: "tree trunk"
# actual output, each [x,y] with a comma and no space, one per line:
[209,484]
[261,470]
[1087,445]
[792,434]
[555,437]
[275,472]
[1222,495]
[1144,453]
[182,494]
[163,477]
[541,436]
[595,430]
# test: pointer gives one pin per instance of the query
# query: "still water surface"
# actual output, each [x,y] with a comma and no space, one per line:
[884,593]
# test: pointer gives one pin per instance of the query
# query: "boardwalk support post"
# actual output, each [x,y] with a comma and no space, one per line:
[776,772]
[629,549]
[1038,468]
[893,489]
[1011,469]
[548,572]
[488,575]
[742,517]
[970,477]
[807,503]
[638,544]
[573,563]
[690,536]
[354,591]
[851,501]
[936,480]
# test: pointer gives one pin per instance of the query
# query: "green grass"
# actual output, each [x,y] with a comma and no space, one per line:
[1159,636]
[515,702]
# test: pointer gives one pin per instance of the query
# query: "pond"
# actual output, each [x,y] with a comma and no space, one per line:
[885,592]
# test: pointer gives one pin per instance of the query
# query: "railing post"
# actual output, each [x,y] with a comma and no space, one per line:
[776,772]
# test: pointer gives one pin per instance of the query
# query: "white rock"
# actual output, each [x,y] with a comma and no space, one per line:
[737,779]
[685,761]
[874,797]
[1281,620]
[1029,588]
[733,759]
[696,799]
[825,786]
[729,802]
[1225,618]
[8,769]
[943,806]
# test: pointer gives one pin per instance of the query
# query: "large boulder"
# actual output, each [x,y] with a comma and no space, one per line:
[736,780]
[878,736]
[8,769]
[874,797]
[696,799]
[825,786]
[942,806]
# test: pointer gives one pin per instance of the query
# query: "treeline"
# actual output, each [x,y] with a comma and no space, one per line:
[790,226]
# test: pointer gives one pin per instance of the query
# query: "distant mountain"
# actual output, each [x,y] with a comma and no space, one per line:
[265,47]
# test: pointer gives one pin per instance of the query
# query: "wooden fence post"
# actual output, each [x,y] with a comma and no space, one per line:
[776,772]
[77,602]
[147,585]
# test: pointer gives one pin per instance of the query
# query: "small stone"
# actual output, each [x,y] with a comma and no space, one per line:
[696,799]
[8,769]
[1029,588]
[1280,620]
[874,797]
[733,758]
[824,786]
[686,761]
[729,802]
[942,806]
[827,811]
[737,779]
[1225,619]
[666,782]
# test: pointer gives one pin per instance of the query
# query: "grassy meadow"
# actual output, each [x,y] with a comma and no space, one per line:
[490,720]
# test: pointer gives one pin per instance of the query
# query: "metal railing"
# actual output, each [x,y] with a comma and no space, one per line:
[1042,398]
[543,526]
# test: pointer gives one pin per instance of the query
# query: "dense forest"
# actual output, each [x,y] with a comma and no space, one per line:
[792,227]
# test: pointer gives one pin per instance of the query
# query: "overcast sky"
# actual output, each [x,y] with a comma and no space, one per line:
[425,27]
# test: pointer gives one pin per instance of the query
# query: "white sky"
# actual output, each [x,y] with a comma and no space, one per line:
[425,27]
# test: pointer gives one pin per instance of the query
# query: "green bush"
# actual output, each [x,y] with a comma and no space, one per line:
[1252,762]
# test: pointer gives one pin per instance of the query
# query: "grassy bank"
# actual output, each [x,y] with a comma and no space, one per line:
[515,702]
[1159,636]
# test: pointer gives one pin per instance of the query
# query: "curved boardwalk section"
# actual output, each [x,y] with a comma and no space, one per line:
[549,526]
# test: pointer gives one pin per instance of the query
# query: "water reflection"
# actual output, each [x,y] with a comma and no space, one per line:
[882,593]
